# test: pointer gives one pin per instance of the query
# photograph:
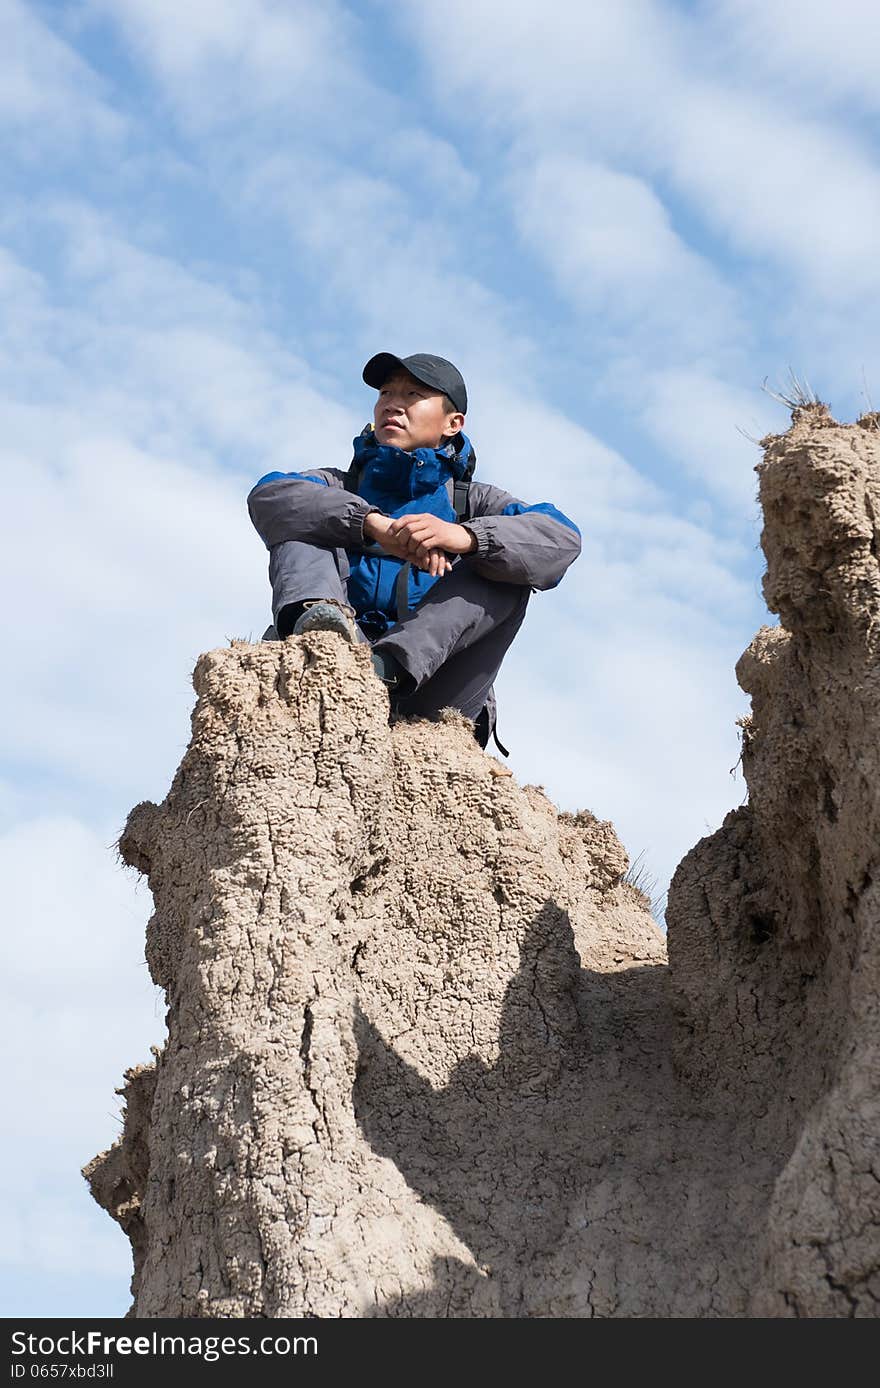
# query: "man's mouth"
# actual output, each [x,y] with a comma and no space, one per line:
[392,424]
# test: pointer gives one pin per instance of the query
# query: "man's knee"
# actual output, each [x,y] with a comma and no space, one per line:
[299,571]
[500,603]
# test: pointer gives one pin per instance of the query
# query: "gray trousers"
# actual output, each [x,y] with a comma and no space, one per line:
[451,645]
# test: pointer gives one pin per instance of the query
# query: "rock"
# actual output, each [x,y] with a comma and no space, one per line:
[773,921]
[425,1055]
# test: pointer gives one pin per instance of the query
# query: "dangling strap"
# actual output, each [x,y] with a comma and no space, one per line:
[401,591]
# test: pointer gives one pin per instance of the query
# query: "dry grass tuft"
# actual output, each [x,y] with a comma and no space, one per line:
[797,394]
[644,883]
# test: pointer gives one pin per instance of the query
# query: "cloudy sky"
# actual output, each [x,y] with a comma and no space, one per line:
[617,219]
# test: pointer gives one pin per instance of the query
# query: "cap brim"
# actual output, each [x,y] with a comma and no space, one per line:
[380,367]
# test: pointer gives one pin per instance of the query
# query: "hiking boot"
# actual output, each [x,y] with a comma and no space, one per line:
[387,669]
[398,681]
[326,614]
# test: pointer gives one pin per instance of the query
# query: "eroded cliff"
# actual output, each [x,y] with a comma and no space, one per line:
[774,922]
[425,1054]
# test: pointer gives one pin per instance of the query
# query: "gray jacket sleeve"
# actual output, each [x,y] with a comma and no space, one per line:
[311,506]
[516,543]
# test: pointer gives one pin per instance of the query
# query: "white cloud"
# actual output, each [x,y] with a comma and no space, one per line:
[638,80]
[638,727]
[396,274]
[48,93]
[161,401]
[823,52]
[77,924]
[129,542]
[711,428]
[550,63]
[269,39]
[222,61]
[607,240]
[525,444]
[539,454]
[78,1008]
[795,191]
[54,1232]
[148,335]
[423,162]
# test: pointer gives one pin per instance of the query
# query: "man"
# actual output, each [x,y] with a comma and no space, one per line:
[404,551]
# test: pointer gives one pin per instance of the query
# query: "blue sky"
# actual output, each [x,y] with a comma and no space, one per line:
[617,220]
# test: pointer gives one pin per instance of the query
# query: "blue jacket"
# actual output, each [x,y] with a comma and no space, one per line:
[516,543]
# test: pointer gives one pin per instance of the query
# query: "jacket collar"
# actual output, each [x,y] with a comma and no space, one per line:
[456,459]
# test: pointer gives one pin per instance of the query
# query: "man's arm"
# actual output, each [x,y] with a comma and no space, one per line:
[532,545]
[310,506]
[511,541]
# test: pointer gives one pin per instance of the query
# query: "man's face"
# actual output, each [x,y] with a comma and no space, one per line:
[410,415]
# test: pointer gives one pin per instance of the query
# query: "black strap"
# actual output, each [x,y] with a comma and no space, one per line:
[401,590]
[353,476]
[498,743]
[461,498]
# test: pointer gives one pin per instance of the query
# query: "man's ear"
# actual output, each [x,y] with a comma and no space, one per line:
[454,423]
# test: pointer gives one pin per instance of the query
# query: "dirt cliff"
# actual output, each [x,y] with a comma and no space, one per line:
[425,1054]
[774,922]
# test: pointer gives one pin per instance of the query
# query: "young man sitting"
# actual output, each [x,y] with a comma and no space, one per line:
[406,552]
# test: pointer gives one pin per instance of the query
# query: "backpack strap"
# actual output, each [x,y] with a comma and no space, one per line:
[353,476]
[461,498]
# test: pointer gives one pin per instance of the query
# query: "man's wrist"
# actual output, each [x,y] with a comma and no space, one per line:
[472,540]
[369,529]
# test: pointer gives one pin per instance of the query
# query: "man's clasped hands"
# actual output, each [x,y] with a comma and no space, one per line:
[425,540]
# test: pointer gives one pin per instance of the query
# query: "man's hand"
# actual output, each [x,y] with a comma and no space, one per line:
[423,539]
[422,534]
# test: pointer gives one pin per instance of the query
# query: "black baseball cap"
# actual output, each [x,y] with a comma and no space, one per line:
[436,372]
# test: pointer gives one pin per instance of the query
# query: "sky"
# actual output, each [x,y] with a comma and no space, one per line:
[620,221]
